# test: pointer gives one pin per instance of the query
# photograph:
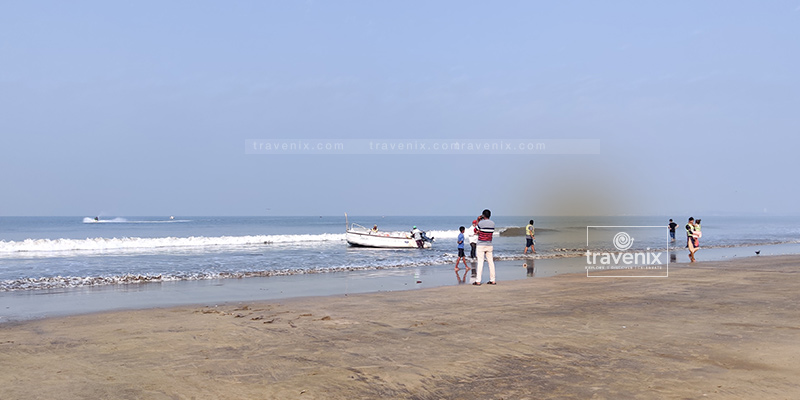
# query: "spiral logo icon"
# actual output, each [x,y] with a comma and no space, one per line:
[623,241]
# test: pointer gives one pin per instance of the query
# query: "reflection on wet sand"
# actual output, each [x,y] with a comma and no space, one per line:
[462,278]
[474,265]
[530,267]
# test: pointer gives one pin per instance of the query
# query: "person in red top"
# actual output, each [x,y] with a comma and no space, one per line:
[485,232]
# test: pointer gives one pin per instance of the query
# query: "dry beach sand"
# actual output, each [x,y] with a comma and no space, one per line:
[711,330]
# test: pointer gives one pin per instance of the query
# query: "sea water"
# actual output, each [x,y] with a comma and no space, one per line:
[62,252]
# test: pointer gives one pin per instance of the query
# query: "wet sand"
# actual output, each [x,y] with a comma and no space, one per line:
[711,330]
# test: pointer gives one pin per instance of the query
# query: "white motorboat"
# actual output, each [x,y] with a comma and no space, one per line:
[357,235]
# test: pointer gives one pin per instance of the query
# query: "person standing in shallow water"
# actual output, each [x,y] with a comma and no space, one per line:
[417,235]
[672,225]
[530,238]
[472,234]
[484,248]
[461,257]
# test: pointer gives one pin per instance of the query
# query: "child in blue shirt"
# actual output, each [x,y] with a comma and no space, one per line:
[461,256]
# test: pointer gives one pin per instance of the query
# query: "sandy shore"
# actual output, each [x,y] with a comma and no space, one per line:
[711,330]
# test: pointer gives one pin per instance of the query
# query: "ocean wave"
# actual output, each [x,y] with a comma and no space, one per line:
[61,282]
[446,258]
[513,231]
[119,220]
[449,234]
[31,247]
[506,231]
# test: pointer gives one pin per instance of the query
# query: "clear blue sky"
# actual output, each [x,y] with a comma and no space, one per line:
[142,108]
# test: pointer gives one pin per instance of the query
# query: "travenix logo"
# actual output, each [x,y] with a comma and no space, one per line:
[623,241]
[626,251]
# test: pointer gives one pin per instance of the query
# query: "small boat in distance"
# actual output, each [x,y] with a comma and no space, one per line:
[357,235]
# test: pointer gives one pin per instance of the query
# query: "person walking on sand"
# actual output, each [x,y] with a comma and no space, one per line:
[672,225]
[472,234]
[530,239]
[690,238]
[484,248]
[461,256]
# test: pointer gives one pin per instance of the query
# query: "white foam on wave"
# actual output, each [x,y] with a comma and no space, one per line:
[45,247]
[55,282]
[452,234]
[118,220]
[59,281]
[449,234]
